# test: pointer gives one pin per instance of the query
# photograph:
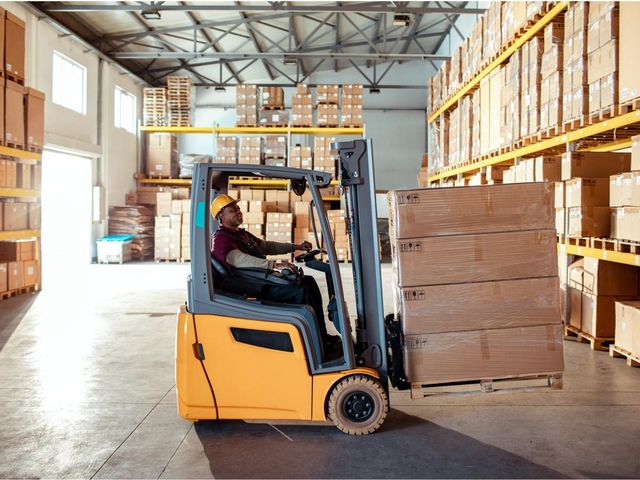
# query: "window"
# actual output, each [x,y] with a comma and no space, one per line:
[124,110]
[69,83]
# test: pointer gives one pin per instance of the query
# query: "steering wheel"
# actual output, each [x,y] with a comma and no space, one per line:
[294,272]
[310,255]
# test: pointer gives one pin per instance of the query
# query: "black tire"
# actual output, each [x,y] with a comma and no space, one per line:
[358,405]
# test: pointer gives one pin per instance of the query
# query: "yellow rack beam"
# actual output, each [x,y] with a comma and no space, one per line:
[14,152]
[19,235]
[165,181]
[475,81]
[19,192]
[256,130]
[608,255]
[612,146]
[585,132]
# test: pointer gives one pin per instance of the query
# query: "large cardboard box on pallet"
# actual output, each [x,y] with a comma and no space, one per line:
[14,45]
[476,258]
[34,118]
[589,221]
[629,68]
[162,155]
[496,353]
[481,209]
[594,164]
[627,332]
[587,192]
[14,114]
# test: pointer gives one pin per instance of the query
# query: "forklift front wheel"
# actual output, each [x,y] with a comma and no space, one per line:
[358,405]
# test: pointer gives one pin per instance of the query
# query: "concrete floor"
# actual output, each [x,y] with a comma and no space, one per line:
[87,390]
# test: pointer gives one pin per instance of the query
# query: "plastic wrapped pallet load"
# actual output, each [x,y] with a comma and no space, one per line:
[476,282]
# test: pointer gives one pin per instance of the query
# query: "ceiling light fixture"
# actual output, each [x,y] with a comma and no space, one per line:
[402,19]
[151,14]
[289,60]
[220,88]
[374,90]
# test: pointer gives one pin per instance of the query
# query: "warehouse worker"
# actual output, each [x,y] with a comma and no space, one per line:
[234,247]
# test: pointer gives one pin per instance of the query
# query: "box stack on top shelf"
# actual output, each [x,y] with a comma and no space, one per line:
[272,112]
[352,106]
[247,105]
[492,250]
[22,129]
[602,52]
[179,101]
[327,101]
[551,74]
[575,97]
[226,149]
[302,107]
[154,107]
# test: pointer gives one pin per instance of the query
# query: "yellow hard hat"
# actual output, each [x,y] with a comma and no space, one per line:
[219,203]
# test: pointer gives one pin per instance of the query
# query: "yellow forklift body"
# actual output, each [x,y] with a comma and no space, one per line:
[236,380]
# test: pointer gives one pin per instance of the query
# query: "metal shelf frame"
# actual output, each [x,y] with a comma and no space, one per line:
[256,130]
[17,153]
[503,57]
[19,235]
[608,255]
[19,193]
[604,126]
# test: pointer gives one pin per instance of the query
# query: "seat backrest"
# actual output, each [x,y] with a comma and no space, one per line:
[220,272]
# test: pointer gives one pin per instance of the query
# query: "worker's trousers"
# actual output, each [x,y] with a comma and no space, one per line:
[307,293]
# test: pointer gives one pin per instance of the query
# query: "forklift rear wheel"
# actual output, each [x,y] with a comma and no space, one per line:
[358,405]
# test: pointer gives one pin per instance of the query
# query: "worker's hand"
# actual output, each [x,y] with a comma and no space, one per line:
[303,246]
[285,264]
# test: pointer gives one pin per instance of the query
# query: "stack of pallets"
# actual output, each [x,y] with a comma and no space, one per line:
[179,101]
[155,107]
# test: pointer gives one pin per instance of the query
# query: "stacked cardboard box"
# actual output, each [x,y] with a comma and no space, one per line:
[510,102]
[531,81]
[476,284]
[162,155]
[272,98]
[352,106]
[247,106]
[466,129]
[301,157]
[302,107]
[20,265]
[551,72]
[279,228]
[250,150]
[226,149]
[574,76]
[323,160]
[327,100]
[455,71]
[492,33]
[490,98]
[594,287]
[179,101]
[338,225]
[627,329]
[14,124]
[628,75]
[475,125]
[34,119]
[275,150]
[602,50]
[624,189]
[154,107]
[171,228]
[302,222]
[253,206]
[454,137]
[274,118]
[185,241]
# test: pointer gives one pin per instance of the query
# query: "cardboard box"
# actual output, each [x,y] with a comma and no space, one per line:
[635,153]
[4,280]
[14,45]
[629,70]
[594,164]
[589,221]
[607,278]
[475,258]
[575,307]
[481,209]
[20,250]
[162,155]
[559,189]
[627,328]
[598,314]
[34,216]
[15,215]
[587,192]
[482,305]
[14,114]
[625,223]
[34,120]
[560,220]
[547,169]
[30,273]
[15,275]
[502,352]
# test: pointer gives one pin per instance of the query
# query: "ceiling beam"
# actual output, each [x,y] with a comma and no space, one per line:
[279,55]
[254,40]
[370,7]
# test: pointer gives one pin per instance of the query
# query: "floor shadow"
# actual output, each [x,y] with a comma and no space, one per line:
[406,447]
[11,314]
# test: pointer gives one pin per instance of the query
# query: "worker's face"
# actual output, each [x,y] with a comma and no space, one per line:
[231,216]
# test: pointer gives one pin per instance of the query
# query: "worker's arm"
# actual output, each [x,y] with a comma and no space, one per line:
[238,259]
[280,248]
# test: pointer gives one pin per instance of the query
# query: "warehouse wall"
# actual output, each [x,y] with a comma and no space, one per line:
[114,151]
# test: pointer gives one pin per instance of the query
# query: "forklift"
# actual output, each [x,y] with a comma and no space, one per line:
[239,357]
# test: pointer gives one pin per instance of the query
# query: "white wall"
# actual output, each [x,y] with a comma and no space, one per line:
[93,135]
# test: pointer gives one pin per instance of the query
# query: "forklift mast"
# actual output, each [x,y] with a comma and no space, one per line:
[358,182]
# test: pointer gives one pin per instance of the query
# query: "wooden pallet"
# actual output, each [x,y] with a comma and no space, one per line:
[632,360]
[574,124]
[243,125]
[19,291]
[629,106]
[526,383]
[14,145]
[34,148]
[597,343]
[14,78]
[169,260]
[603,114]
[610,244]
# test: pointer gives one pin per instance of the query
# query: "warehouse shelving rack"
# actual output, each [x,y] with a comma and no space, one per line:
[20,193]
[255,183]
[607,135]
